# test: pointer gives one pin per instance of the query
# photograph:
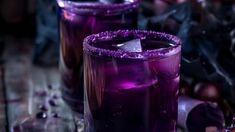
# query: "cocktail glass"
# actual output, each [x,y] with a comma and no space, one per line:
[131,81]
[78,19]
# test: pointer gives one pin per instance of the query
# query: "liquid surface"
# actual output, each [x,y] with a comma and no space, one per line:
[132,45]
[100,1]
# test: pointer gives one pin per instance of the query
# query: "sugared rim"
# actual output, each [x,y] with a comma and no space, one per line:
[108,35]
[90,7]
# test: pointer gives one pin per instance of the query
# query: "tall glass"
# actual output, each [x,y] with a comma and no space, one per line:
[131,81]
[78,19]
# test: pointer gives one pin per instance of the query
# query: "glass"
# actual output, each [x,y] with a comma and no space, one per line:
[78,19]
[131,81]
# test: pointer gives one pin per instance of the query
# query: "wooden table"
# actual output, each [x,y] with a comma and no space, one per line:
[24,87]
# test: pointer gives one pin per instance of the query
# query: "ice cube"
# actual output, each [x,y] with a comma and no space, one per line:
[131,46]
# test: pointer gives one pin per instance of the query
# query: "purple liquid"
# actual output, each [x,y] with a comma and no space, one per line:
[76,22]
[130,93]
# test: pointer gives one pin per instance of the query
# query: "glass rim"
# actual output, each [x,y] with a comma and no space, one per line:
[90,7]
[154,53]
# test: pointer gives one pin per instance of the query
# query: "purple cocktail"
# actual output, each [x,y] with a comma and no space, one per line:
[131,81]
[78,20]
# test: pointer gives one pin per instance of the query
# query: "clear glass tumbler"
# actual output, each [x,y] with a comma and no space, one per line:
[131,81]
[78,19]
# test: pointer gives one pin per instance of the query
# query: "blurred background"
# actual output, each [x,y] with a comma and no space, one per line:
[29,40]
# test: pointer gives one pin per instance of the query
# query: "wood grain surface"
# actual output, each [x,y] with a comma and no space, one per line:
[28,87]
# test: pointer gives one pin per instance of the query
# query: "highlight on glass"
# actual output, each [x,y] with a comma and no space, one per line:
[131,81]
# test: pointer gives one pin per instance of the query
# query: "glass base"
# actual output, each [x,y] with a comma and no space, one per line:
[79,122]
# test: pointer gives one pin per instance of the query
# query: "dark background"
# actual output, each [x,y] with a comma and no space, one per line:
[206,27]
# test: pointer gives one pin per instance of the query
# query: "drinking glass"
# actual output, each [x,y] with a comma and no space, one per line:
[78,19]
[131,81]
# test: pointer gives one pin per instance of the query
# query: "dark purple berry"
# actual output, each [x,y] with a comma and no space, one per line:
[55,96]
[41,115]
[55,115]
[43,108]
[50,87]
[53,103]
[16,128]
[207,91]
